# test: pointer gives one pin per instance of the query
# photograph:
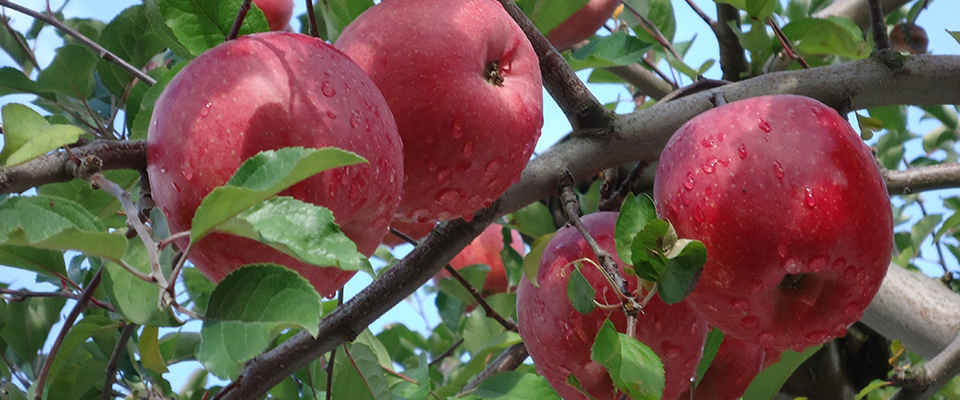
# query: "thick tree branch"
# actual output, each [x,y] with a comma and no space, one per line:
[919,179]
[584,111]
[934,375]
[57,167]
[733,58]
[645,80]
[637,137]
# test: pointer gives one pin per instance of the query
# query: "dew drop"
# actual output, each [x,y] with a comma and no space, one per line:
[331,115]
[809,199]
[163,170]
[327,89]
[355,120]
[432,166]
[782,250]
[457,129]
[766,339]
[671,350]
[720,136]
[817,336]
[206,110]
[709,166]
[689,183]
[468,149]
[850,273]
[491,170]
[793,265]
[818,264]
[754,286]
[422,215]
[188,172]
[778,169]
[444,176]
[750,321]
[698,214]
[741,305]
[851,309]
[742,151]
[707,142]
[175,187]
[764,125]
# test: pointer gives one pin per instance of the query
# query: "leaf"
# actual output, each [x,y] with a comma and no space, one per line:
[475,274]
[484,332]
[768,383]
[923,228]
[635,369]
[98,202]
[580,292]
[760,9]
[42,261]
[547,14]
[302,230]
[531,262]
[335,15]
[133,298]
[15,45]
[179,346]
[199,288]
[150,355]
[201,25]
[511,385]
[248,309]
[710,349]
[826,36]
[956,35]
[534,220]
[647,261]
[685,262]
[659,12]
[635,214]
[263,176]
[27,324]
[358,375]
[139,113]
[86,328]
[948,226]
[129,37]
[70,73]
[13,80]
[55,223]
[511,258]
[868,125]
[873,386]
[608,51]
[27,135]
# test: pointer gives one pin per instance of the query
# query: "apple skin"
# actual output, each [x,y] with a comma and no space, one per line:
[267,91]
[465,138]
[582,24]
[733,369]
[792,210]
[278,12]
[560,339]
[485,249]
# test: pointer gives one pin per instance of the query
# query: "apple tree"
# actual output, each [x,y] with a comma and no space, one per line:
[77,211]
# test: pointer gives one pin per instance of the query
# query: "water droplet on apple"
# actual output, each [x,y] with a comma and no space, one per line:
[742,151]
[444,176]
[817,336]
[175,187]
[709,166]
[689,183]
[778,169]
[818,264]
[707,142]
[850,273]
[754,286]
[206,110]
[764,125]
[163,170]
[188,172]
[750,321]
[793,265]
[708,191]
[782,250]
[725,162]
[458,122]
[491,170]
[741,305]
[671,350]
[422,215]
[468,149]
[809,199]
[720,136]
[355,120]
[331,115]
[851,309]
[766,339]
[327,89]
[698,214]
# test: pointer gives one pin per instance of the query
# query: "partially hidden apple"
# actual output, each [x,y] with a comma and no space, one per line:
[464,85]
[266,91]
[731,372]
[582,24]
[485,249]
[560,339]
[278,12]
[791,207]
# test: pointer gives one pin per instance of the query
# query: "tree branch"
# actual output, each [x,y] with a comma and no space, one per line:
[57,167]
[509,360]
[933,376]
[733,58]
[919,179]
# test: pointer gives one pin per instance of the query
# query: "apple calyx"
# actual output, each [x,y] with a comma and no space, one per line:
[493,73]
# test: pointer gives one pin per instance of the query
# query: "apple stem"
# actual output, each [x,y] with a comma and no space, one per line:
[312,19]
[241,14]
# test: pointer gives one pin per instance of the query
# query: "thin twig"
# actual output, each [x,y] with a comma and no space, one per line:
[449,352]
[20,43]
[312,19]
[118,351]
[67,324]
[21,295]
[238,21]
[507,323]
[104,53]
[706,18]
[881,41]
[933,375]
[615,201]
[785,42]
[509,360]
[937,243]
[653,30]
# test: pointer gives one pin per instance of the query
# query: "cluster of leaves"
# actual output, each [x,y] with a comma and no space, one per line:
[65,233]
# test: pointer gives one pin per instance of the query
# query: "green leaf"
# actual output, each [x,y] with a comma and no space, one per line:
[335,15]
[659,12]
[514,385]
[760,9]
[685,261]
[647,261]
[179,346]
[86,328]
[608,51]
[139,113]
[476,275]
[547,14]
[15,45]
[710,349]
[873,386]
[130,37]
[248,309]
[42,261]
[55,223]
[484,332]
[531,262]
[27,324]
[826,36]
[924,228]
[263,176]
[70,73]
[739,4]
[534,220]
[580,292]
[956,35]
[302,230]
[28,135]
[199,288]
[945,114]
[134,299]
[635,214]
[948,226]
[635,369]
[511,258]
[150,355]
[768,383]
[201,25]
[13,80]
[868,125]
[358,375]
[98,202]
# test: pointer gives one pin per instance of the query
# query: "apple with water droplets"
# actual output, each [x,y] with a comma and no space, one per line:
[485,249]
[735,366]
[464,85]
[278,12]
[560,339]
[791,207]
[262,92]
[582,24]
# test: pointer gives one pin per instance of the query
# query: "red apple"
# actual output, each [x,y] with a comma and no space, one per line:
[485,249]
[582,24]
[731,372]
[464,85]
[792,210]
[560,339]
[278,12]
[267,91]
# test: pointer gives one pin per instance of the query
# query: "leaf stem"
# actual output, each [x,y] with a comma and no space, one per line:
[237,22]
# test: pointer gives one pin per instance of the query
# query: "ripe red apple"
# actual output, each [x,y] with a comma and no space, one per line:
[560,339]
[792,210]
[731,372]
[267,91]
[485,249]
[582,24]
[278,12]
[464,84]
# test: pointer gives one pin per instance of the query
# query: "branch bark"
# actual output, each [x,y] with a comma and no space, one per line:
[921,179]
[57,167]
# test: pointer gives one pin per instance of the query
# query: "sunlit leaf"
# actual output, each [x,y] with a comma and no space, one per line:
[580,292]
[531,262]
[135,299]
[70,73]
[607,51]
[767,384]
[685,262]
[201,25]
[635,369]
[514,385]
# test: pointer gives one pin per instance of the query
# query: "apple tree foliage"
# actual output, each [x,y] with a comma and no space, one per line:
[71,179]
